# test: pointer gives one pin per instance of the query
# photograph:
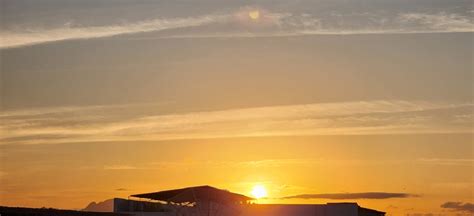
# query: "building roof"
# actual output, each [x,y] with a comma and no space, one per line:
[195,194]
[371,211]
[362,211]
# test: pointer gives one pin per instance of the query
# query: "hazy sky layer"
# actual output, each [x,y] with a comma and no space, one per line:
[430,168]
[335,101]
[223,73]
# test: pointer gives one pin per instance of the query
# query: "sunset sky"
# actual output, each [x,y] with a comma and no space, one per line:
[317,101]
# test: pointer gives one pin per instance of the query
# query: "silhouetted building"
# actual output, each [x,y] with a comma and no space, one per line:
[210,201]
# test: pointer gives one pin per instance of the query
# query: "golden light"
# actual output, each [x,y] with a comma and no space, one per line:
[254,15]
[259,191]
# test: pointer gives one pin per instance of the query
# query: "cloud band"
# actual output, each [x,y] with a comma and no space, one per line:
[352,196]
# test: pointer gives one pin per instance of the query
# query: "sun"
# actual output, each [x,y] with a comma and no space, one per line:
[259,191]
[254,15]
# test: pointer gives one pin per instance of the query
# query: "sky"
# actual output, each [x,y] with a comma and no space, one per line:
[367,101]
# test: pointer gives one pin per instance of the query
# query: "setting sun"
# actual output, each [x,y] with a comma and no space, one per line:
[259,191]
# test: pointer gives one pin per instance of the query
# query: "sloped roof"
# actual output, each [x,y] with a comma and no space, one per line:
[195,194]
[366,211]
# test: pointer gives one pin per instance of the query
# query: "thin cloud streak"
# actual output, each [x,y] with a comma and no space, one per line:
[119,167]
[111,124]
[306,24]
[448,161]
[441,22]
[352,196]
[274,25]
[37,36]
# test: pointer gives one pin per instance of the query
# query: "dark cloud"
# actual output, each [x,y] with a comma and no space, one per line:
[459,206]
[121,189]
[424,214]
[366,195]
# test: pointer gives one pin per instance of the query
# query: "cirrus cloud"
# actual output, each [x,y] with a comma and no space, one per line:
[271,24]
[125,123]
[352,196]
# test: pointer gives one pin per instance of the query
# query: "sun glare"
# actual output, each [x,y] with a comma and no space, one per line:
[254,15]
[259,191]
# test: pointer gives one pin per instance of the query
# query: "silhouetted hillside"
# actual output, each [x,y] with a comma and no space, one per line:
[17,211]
[104,206]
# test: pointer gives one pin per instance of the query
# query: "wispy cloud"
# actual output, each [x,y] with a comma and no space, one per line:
[460,186]
[120,167]
[270,24]
[289,24]
[352,196]
[459,206]
[448,161]
[237,164]
[440,22]
[67,32]
[125,123]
